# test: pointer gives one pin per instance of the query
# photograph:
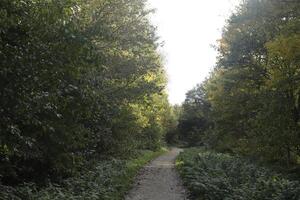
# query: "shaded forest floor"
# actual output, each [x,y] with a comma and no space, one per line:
[101,179]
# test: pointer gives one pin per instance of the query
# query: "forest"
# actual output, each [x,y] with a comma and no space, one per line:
[84,102]
[81,83]
[249,107]
[250,103]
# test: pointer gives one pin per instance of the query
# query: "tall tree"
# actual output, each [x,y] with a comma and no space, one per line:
[75,80]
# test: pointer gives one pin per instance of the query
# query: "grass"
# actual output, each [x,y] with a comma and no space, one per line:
[106,180]
[216,176]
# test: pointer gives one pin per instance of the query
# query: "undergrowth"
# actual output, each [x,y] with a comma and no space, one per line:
[217,176]
[106,180]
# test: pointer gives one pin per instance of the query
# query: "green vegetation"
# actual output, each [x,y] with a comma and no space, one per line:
[172,133]
[81,81]
[105,180]
[247,110]
[250,103]
[218,176]
[82,90]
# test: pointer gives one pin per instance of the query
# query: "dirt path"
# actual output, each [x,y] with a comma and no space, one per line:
[159,180]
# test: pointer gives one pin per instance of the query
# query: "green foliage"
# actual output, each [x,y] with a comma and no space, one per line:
[78,79]
[217,176]
[194,120]
[250,102]
[172,135]
[105,180]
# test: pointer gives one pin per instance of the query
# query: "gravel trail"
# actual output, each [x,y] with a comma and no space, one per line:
[159,180]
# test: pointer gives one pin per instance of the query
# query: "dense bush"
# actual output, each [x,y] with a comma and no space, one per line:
[217,176]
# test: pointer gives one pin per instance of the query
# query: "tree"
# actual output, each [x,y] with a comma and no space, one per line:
[194,120]
[75,79]
[253,92]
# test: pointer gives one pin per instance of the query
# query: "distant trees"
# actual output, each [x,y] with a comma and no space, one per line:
[172,135]
[193,121]
[77,78]
[253,92]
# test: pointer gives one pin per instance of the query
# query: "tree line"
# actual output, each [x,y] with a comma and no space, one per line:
[250,103]
[79,79]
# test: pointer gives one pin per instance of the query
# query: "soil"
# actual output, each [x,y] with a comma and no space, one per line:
[159,180]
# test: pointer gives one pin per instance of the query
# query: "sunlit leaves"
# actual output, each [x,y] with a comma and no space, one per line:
[253,92]
[77,78]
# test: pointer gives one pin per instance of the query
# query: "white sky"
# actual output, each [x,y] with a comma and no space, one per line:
[188,29]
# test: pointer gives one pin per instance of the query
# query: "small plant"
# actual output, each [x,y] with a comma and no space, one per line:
[106,180]
[217,176]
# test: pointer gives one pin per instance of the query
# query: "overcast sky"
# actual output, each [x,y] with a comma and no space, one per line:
[189,28]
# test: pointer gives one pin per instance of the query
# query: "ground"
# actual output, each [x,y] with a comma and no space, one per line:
[159,180]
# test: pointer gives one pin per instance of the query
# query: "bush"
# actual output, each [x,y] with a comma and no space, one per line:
[106,180]
[218,176]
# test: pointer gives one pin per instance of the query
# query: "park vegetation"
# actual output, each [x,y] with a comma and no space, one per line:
[82,93]
[246,114]
[250,103]
[83,103]
[218,176]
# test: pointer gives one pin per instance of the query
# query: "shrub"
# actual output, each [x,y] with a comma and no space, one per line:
[105,180]
[218,176]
